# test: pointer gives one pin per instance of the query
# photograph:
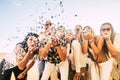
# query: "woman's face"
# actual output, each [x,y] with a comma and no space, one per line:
[68,35]
[32,41]
[106,30]
[78,29]
[87,32]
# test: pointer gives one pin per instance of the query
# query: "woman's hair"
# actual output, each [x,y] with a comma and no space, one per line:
[112,30]
[25,46]
[92,31]
[105,49]
[78,28]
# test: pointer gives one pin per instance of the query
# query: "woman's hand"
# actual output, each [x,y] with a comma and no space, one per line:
[21,75]
[77,75]
[106,37]
[91,37]
[32,49]
[88,36]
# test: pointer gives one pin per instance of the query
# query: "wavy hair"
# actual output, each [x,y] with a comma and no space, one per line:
[25,46]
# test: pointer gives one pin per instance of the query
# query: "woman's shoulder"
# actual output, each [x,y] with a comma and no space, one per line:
[117,35]
[98,37]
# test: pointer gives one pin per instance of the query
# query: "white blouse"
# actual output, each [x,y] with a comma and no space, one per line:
[10,58]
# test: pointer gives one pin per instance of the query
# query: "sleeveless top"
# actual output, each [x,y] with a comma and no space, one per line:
[53,56]
[10,58]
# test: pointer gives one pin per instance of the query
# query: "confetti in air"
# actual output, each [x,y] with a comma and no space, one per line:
[52,12]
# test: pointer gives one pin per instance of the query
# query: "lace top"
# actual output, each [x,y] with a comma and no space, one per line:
[10,58]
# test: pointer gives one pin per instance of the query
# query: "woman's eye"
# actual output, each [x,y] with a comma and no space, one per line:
[30,39]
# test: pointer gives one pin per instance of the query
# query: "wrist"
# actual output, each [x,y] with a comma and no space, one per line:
[24,73]
[108,41]
[91,41]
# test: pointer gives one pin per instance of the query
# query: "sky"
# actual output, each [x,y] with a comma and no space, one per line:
[17,17]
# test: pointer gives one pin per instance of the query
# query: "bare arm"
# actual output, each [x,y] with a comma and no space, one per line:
[111,47]
[62,52]
[22,75]
[44,51]
[98,46]
[22,64]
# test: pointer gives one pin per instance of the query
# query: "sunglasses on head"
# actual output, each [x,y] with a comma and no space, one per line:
[107,29]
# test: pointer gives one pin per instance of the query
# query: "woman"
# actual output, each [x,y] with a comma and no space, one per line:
[43,33]
[56,55]
[16,62]
[76,58]
[112,40]
[78,32]
[97,51]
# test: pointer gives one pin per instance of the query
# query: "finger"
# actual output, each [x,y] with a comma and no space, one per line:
[79,78]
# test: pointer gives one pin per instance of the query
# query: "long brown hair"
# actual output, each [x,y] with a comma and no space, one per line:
[105,49]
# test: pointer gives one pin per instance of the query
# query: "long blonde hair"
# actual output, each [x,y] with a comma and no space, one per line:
[112,34]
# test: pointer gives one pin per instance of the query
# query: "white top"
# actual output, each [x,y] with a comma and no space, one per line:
[76,56]
[10,58]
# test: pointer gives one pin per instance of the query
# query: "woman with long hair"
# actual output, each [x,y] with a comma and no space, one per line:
[98,54]
[17,61]
[112,44]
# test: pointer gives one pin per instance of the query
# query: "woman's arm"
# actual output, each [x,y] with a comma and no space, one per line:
[99,44]
[62,52]
[21,75]
[111,47]
[22,64]
[44,51]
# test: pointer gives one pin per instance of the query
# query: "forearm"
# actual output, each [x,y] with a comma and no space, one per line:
[94,47]
[22,63]
[111,47]
[44,51]
[29,67]
[61,52]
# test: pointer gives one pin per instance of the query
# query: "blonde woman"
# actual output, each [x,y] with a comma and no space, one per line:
[55,52]
[75,57]
[99,55]
[112,40]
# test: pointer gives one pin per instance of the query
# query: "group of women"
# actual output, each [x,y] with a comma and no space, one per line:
[80,56]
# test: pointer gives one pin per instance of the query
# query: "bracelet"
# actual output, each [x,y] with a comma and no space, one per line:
[24,73]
